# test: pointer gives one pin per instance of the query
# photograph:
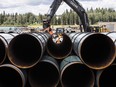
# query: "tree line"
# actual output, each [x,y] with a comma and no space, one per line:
[69,17]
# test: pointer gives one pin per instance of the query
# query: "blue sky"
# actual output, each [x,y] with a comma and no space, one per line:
[42,6]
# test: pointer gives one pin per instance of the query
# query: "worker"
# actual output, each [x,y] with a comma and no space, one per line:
[60,39]
[49,30]
[57,38]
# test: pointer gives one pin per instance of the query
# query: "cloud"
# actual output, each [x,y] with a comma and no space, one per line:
[7,6]
[89,0]
[33,3]
[47,2]
[42,6]
[4,4]
[24,6]
[99,4]
[38,2]
[11,3]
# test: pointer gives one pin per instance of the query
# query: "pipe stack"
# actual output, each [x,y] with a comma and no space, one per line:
[45,73]
[4,42]
[26,50]
[75,74]
[86,60]
[61,50]
[96,50]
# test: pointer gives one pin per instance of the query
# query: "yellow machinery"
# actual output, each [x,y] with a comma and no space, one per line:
[99,29]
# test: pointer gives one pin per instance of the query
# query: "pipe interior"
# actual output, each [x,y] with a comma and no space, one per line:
[77,75]
[2,51]
[97,50]
[114,60]
[44,75]
[10,77]
[25,50]
[108,77]
[59,50]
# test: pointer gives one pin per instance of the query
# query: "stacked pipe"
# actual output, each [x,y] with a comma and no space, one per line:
[26,49]
[61,50]
[34,60]
[45,73]
[75,74]
[12,76]
[106,77]
[4,41]
[96,50]
[112,35]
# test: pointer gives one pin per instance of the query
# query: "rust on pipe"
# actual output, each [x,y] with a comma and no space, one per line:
[26,49]
[4,41]
[59,50]
[45,73]
[11,76]
[107,77]
[75,74]
[96,50]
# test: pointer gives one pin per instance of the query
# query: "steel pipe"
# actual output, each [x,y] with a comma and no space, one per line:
[96,50]
[107,77]
[4,41]
[61,50]
[112,35]
[11,76]
[26,49]
[45,73]
[75,74]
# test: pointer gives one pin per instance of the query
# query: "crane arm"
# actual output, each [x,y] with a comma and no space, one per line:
[53,9]
[75,5]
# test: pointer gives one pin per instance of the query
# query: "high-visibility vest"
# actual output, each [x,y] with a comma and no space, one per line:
[50,32]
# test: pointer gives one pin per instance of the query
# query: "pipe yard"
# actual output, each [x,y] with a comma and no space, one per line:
[63,51]
[82,59]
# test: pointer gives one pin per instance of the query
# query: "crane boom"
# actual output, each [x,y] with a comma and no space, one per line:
[53,8]
[75,5]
